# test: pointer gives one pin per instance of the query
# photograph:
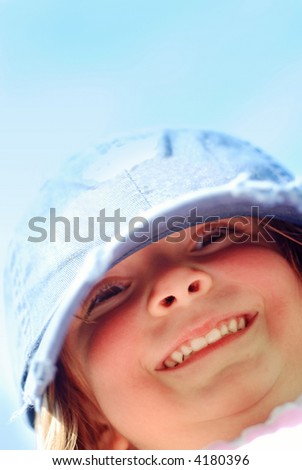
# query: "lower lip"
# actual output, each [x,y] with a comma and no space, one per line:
[212,347]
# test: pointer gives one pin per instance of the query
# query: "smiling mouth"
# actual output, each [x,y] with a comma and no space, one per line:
[190,347]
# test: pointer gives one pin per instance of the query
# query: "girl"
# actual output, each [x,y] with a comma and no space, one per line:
[156,302]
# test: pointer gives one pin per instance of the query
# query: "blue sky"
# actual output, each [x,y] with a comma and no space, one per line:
[72,72]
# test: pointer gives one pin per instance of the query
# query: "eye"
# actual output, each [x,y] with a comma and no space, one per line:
[207,238]
[107,295]
[217,236]
[214,239]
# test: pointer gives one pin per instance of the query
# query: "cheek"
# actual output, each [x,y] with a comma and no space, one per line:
[266,273]
[117,378]
[113,358]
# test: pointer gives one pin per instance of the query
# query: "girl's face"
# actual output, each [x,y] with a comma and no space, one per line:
[185,343]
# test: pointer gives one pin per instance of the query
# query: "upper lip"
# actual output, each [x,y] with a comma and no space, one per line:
[195,331]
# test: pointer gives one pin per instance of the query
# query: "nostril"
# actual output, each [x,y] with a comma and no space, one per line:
[194,286]
[167,301]
[170,299]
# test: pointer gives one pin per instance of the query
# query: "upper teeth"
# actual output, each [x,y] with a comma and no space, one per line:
[196,344]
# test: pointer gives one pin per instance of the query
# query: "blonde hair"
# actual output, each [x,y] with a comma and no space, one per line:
[71,418]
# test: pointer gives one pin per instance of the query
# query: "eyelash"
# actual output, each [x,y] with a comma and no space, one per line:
[217,235]
[104,293]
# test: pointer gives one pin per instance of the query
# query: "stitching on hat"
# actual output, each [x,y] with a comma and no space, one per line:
[138,188]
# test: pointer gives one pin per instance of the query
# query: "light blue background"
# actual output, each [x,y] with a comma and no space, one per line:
[72,72]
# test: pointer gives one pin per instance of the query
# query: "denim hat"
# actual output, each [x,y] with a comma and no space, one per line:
[111,201]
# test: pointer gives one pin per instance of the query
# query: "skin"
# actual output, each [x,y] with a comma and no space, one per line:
[121,345]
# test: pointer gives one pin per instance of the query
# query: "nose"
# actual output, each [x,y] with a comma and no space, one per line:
[177,287]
